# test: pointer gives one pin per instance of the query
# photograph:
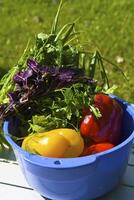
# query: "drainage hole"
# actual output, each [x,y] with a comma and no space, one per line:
[57,162]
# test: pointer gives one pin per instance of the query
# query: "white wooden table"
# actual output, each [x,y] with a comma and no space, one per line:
[13,185]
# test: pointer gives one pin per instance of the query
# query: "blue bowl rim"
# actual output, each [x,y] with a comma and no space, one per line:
[66,162]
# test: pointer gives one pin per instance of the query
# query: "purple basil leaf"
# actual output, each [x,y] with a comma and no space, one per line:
[22,76]
[13,96]
[32,64]
[39,80]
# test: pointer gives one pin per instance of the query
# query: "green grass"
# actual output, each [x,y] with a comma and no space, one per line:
[106,25]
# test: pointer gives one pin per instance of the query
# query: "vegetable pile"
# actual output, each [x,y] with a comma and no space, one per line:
[62,108]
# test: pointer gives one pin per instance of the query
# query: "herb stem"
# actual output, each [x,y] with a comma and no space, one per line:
[56,19]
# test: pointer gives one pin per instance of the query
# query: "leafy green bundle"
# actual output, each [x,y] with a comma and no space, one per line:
[53,81]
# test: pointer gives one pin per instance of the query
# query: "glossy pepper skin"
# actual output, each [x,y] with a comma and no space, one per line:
[96,148]
[107,128]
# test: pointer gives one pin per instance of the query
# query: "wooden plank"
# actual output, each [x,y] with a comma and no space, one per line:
[11,174]
[120,193]
[128,178]
[8,193]
[131,158]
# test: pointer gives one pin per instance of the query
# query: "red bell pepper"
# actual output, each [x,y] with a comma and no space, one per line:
[107,128]
[96,148]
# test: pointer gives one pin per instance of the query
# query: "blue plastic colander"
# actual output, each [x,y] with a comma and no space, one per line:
[82,178]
